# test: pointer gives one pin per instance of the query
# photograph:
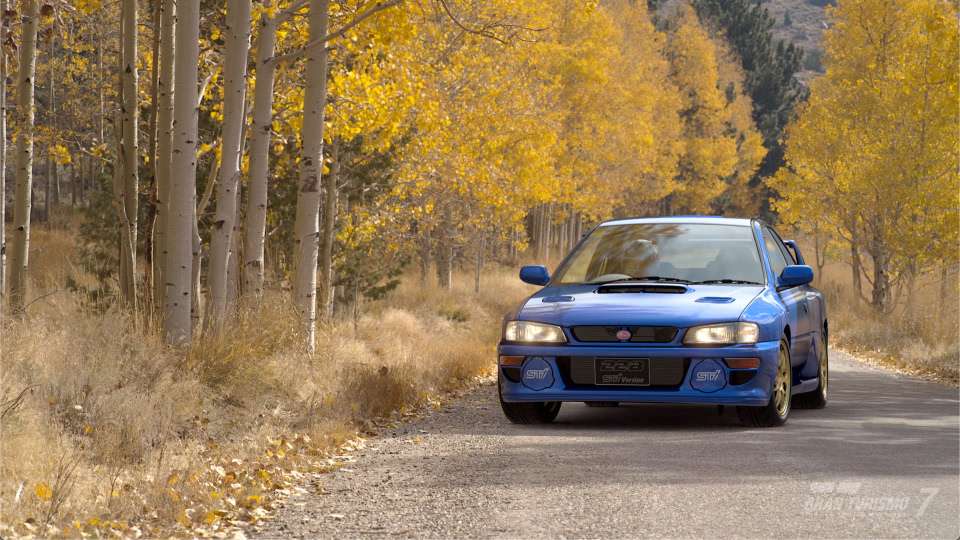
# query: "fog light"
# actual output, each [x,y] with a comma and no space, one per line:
[742,363]
[511,360]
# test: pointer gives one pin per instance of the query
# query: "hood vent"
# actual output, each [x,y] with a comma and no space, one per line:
[715,300]
[642,288]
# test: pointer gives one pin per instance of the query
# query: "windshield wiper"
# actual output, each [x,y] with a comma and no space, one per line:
[726,281]
[643,278]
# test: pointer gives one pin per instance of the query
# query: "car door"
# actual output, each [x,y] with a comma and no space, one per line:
[794,298]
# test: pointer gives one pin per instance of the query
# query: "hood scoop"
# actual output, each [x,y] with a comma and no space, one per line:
[642,288]
[715,300]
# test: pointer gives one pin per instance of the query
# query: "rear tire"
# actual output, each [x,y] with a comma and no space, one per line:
[528,413]
[817,399]
[776,411]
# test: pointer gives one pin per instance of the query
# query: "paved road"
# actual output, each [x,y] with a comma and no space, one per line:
[880,461]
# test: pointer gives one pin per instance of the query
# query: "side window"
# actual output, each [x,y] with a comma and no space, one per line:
[788,255]
[777,261]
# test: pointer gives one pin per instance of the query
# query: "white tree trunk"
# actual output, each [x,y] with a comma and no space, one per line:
[261,126]
[3,160]
[329,231]
[168,18]
[25,120]
[260,130]
[306,233]
[183,185]
[236,47]
[130,151]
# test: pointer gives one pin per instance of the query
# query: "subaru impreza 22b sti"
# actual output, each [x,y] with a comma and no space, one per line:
[669,310]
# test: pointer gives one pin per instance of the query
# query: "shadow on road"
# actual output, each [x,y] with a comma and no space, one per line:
[875,425]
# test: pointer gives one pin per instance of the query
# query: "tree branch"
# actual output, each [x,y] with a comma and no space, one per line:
[333,35]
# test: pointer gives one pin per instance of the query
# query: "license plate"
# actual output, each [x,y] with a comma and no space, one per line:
[622,371]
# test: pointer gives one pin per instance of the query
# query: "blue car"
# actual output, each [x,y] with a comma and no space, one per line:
[669,310]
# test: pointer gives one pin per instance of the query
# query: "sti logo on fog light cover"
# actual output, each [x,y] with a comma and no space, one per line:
[623,335]
[708,375]
[537,374]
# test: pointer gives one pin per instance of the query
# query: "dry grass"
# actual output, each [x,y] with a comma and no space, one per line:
[105,429]
[920,336]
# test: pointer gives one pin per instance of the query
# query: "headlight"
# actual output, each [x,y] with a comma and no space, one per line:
[722,334]
[531,332]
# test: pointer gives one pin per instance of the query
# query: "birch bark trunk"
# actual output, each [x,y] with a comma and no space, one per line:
[183,188]
[150,292]
[329,226]
[19,256]
[53,180]
[236,49]
[168,18]
[261,129]
[306,234]
[445,250]
[130,151]
[3,160]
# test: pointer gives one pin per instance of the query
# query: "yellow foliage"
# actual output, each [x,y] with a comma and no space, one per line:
[872,156]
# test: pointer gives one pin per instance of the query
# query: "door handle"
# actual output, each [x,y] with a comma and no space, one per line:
[806,308]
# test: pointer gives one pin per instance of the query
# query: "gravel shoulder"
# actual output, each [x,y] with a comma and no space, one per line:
[882,460]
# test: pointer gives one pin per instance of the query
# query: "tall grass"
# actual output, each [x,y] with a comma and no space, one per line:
[921,335]
[106,429]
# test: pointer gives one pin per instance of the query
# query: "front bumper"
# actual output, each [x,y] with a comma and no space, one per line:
[692,389]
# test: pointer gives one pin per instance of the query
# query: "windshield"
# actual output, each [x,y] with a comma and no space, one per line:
[685,252]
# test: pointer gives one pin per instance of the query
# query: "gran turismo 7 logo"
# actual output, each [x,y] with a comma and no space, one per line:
[708,375]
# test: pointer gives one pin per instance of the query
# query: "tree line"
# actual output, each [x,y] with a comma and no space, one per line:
[222,147]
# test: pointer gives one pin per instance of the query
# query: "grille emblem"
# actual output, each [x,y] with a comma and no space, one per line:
[623,335]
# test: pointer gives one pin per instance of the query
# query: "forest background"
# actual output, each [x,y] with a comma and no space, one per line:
[236,233]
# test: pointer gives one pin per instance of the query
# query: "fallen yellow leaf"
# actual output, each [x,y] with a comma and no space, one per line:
[43,491]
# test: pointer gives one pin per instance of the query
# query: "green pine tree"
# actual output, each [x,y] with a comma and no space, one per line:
[769,70]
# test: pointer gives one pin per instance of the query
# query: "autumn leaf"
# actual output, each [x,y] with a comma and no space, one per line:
[43,491]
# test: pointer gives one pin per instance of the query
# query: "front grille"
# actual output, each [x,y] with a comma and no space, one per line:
[664,372]
[638,334]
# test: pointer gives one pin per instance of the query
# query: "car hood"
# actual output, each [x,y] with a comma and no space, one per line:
[574,305]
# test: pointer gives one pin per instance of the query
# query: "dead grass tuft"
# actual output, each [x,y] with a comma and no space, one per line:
[107,431]
[919,337]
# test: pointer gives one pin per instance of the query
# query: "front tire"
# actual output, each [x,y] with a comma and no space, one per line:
[776,411]
[528,413]
[817,399]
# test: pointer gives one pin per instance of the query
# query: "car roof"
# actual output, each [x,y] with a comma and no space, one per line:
[710,220]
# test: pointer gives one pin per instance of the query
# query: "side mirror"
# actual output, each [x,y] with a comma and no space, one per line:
[534,275]
[794,275]
[796,251]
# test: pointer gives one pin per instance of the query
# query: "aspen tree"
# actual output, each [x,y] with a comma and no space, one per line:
[19,256]
[3,155]
[261,127]
[236,49]
[873,155]
[183,188]
[165,89]
[307,227]
[130,154]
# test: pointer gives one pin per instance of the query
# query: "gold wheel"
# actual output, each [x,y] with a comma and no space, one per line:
[781,385]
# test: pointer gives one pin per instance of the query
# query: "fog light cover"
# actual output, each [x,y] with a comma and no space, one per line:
[708,376]
[537,374]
